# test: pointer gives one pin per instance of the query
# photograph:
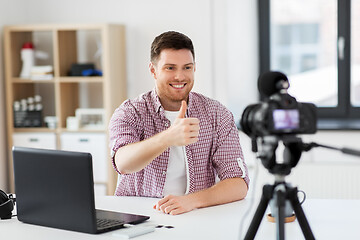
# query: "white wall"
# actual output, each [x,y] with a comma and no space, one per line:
[242,55]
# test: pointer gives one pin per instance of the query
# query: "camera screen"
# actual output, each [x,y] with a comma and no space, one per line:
[286,119]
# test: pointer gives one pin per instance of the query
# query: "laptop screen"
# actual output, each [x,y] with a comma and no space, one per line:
[55,188]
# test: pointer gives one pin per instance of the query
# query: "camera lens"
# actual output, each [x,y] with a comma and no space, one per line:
[246,121]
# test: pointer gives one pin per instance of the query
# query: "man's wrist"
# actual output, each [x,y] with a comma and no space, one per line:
[163,139]
[197,199]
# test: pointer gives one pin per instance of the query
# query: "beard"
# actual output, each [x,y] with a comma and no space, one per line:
[171,100]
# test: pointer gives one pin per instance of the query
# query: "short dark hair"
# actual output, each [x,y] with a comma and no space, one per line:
[170,40]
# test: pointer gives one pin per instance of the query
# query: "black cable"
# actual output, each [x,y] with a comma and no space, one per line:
[252,198]
[304,196]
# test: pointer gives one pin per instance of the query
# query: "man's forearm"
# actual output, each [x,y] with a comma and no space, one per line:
[136,156]
[228,190]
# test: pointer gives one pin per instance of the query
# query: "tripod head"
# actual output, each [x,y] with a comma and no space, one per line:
[266,146]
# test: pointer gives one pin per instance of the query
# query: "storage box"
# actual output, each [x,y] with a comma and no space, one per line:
[27,119]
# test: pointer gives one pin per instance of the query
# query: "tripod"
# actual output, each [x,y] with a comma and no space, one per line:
[280,191]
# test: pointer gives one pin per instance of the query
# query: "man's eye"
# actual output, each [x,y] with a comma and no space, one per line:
[188,68]
[170,68]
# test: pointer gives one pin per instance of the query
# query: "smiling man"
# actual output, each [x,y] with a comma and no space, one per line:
[171,143]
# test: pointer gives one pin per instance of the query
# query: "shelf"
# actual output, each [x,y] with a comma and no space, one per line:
[26,80]
[81,79]
[39,129]
[82,130]
[61,96]
[61,79]
[57,130]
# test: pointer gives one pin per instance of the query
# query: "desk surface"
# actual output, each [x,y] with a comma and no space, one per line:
[329,219]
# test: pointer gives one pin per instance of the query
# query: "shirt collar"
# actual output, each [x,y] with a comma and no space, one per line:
[157,104]
[190,104]
[156,100]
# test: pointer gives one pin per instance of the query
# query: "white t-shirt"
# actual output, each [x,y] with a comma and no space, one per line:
[176,181]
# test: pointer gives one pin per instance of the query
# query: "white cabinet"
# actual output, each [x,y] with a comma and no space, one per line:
[35,140]
[94,143]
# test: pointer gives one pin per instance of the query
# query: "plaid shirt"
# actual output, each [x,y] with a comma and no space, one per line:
[218,150]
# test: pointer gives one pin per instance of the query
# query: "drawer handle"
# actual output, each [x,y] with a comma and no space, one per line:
[83,140]
[33,139]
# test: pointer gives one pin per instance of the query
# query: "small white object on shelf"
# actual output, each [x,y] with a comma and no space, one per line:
[72,123]
[28,59]
[51,121]
[91,118]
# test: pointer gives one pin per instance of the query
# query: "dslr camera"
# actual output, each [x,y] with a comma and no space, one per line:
[279,114]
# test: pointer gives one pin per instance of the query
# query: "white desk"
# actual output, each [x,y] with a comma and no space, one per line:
[329,219]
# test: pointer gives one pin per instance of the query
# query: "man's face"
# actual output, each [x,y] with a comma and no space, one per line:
[174,77]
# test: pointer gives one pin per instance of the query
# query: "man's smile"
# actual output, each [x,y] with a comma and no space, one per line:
[178,86]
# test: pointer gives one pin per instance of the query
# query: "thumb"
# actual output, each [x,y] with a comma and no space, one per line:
[182,109]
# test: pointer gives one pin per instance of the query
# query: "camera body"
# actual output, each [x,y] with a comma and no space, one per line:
[279,115]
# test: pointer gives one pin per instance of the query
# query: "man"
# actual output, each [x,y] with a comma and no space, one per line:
[170,142]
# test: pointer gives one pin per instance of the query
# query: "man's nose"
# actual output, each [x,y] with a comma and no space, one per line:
[180,75]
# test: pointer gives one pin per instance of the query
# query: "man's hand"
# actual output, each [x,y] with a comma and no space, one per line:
[175,205]
[225,191]
[183,131]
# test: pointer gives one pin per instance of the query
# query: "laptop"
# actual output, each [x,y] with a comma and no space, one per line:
[56,189]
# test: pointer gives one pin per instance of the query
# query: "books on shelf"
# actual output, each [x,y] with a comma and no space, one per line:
[42,73]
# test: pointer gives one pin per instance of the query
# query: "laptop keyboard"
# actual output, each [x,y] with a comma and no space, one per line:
[108,223]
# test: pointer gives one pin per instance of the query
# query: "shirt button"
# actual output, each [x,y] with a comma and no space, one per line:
[166,124]
[164,172]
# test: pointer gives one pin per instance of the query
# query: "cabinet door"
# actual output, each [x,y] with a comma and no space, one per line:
[94,143]
[35,140]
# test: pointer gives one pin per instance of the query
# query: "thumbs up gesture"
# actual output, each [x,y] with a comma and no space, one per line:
[182,110]
[183,131]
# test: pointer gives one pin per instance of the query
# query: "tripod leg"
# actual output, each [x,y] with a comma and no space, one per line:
[280,215]
[305,227]
[259,214]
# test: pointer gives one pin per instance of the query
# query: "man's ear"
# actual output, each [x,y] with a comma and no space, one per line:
[152,69]
[194,66]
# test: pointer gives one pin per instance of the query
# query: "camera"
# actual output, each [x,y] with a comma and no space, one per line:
[279,114]
[278,119]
